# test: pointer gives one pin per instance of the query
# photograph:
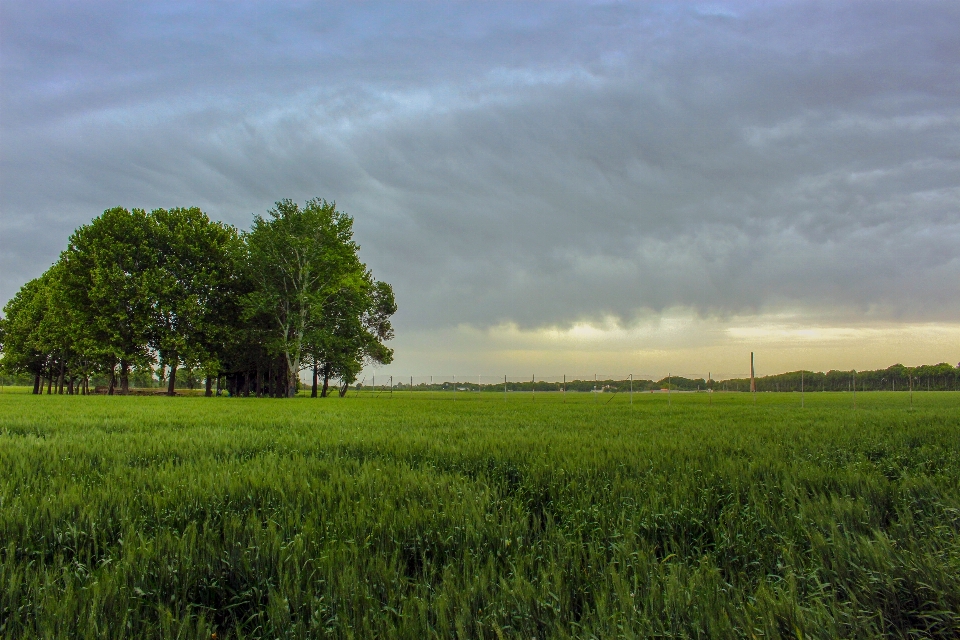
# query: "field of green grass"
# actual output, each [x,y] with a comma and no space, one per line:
[418,516]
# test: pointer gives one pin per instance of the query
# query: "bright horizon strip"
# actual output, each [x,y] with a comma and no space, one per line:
[679,345]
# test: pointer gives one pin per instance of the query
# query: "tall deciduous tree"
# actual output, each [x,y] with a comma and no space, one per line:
[191,285]
[299,258]
[19,331]
[352,331]
[106,279]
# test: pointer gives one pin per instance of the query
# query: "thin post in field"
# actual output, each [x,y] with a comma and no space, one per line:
[504,388]
[669,375]
[801,388]
[533,389]
[391,386]
[854,388]
[631,389]
[753,380]
[454,388]
[564,388]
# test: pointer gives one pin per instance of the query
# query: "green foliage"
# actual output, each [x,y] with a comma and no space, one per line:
[939,377]
[419,517]
[20,330]
[171,287]
[300,258]
[194,287]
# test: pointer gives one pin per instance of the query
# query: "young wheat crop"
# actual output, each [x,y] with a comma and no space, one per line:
[415,516]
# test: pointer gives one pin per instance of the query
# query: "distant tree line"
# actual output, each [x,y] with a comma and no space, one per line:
[137,295]
[939,377]
[936,377]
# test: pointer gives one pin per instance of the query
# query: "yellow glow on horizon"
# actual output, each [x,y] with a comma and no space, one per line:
[678,342]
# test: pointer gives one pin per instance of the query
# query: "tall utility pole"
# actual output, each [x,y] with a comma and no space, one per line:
[753,381]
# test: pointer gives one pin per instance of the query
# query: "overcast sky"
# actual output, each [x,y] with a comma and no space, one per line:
[570,186]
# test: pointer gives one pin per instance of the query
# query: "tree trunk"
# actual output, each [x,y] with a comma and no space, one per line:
[113,378]
[209,390]
[124,378]
[313,389]
[343,389]
[36,384]
[49,380]
[70,387]
[326,380]
[60,377]
[172,382]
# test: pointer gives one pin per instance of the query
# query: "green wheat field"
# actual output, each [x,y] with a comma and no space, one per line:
[417,516]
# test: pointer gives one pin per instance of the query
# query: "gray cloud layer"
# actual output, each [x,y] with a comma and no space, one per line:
[529,163]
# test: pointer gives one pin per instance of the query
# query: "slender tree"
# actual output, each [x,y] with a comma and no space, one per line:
[299,258]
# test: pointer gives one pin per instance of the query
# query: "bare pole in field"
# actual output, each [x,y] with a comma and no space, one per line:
[454,388]
[631,389]
[595,396]
[504,388]
[801,388]
[391,386]
[564,388]
[753,380]
[533,389]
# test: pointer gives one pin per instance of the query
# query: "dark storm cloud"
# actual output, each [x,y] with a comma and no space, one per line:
[529,163]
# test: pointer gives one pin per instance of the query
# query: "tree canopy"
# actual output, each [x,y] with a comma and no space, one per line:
[138,293]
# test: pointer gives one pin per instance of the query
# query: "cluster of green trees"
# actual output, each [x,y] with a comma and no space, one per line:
[137,295]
